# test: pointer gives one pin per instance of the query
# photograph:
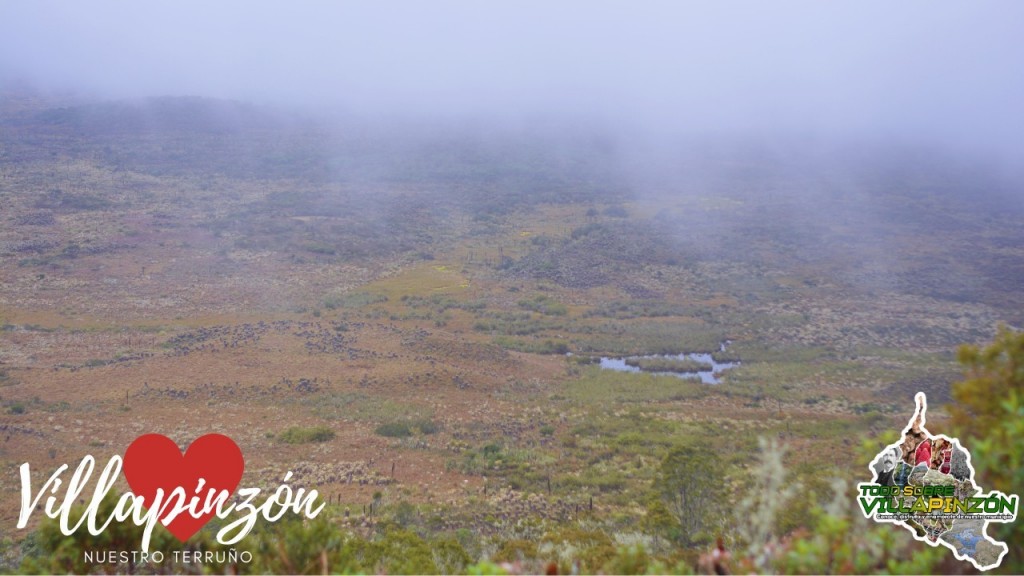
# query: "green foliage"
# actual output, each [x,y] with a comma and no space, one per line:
[691,482]
[988,415]
[842,541]
[359,406]
[449,556]
[394,430]
[441,303]
[353,300]
[999,458]
[396,552]
[544,305]
[629,560]
[533,346]
[404,429]
[570,544]
[514,324]
[769,494]
[624,309]
[994,372]
[49,551]
[427,426]
[597,385]
[488,457]
[661,336]
[294,546]
[485,569]
[317,546]
[516,550]
[662,364]
[833,539]
[298,435]
[659,521]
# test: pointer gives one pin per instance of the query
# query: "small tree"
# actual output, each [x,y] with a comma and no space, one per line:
[691,482]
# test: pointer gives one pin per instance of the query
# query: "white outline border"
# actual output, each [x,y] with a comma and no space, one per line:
[921,402]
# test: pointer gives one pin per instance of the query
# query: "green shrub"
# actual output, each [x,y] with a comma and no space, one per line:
[406,429]
[395,552]
[449,556]
[570,543]
[544,305]
[516,551]
[297,435]
[394,430]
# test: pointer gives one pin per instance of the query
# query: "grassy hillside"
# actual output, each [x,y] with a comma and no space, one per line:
[388,312]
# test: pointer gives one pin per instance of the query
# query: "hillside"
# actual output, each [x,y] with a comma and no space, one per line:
[188,265]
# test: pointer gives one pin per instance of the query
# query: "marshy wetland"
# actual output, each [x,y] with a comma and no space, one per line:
[707,367]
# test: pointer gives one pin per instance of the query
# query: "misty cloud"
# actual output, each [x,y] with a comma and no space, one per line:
[930,69]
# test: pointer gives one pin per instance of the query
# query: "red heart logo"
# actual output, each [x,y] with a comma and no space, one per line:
[154,461]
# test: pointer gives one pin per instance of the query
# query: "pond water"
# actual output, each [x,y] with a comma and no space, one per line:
[706,376]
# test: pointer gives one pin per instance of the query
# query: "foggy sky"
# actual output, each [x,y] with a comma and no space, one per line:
[934,70]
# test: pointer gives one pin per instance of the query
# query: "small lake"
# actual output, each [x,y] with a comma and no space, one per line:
[706,376]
